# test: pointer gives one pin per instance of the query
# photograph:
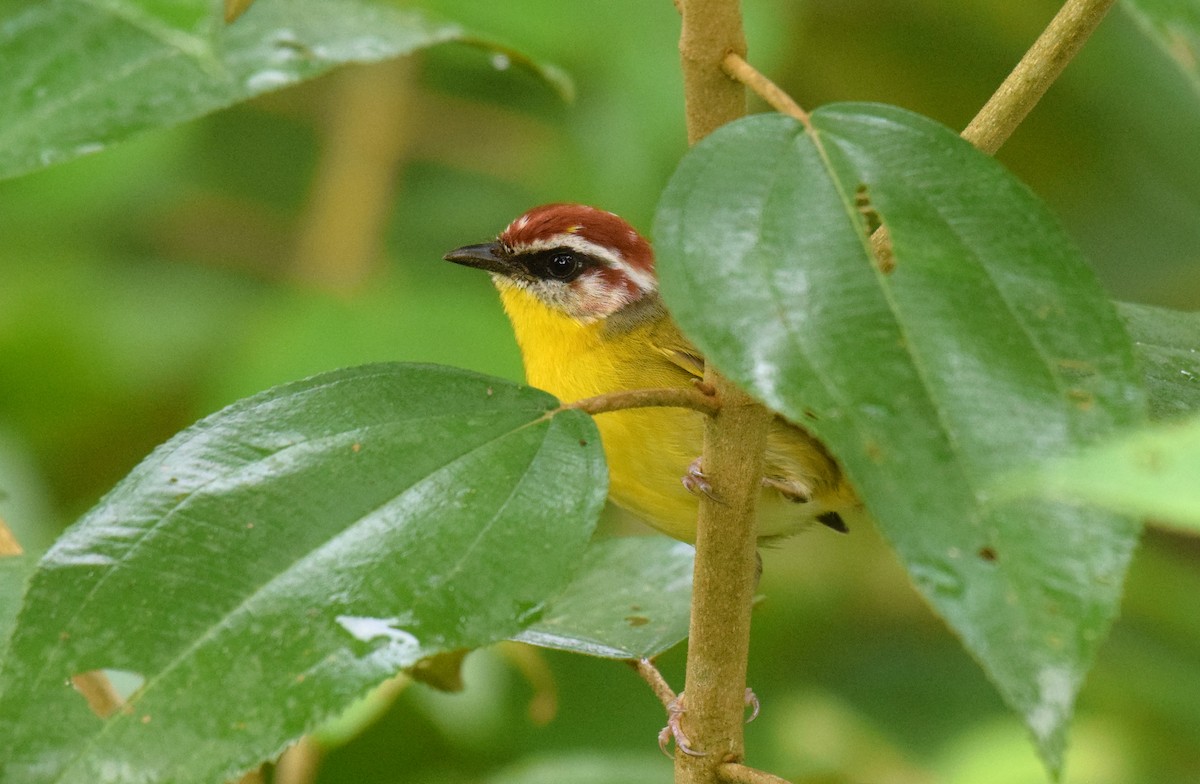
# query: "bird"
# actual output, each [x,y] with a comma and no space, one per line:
[579,288]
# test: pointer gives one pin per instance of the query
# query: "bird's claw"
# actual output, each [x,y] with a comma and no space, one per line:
[751,700]
[696,482]
[674,731]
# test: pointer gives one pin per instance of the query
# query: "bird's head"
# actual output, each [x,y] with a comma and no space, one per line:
[579,260]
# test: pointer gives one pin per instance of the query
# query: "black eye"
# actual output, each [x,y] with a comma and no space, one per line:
[562,265]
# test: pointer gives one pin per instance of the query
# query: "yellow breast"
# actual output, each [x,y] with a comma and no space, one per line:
[648,450]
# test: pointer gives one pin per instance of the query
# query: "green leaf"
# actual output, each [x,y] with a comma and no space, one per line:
[983,342]
[1153,472]
[1167,343]
[1175,26]
[271,563]
[81,75]
[631,599]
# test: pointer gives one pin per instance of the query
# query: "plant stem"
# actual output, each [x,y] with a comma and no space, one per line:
[725,573]
[1033,75]
[678,397]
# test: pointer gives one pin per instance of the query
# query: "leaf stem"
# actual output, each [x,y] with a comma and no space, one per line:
[678,397]
[1033,75]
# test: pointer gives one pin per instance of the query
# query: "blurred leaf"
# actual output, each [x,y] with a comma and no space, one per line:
[1168,344]
[630,599]
[1154,472]
[1175,26]
[271,563]
[80,76]
[587,769]
[985,344]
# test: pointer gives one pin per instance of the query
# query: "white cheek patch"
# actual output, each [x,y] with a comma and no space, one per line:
[593,297]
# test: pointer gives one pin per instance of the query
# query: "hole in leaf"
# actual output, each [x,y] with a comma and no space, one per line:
[107,691]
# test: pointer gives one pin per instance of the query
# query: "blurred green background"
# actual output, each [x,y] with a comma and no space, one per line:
[150,284]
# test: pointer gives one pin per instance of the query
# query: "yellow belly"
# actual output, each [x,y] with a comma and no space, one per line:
[648,450]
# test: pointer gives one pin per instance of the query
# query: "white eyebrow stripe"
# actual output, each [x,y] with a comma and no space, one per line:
[642,279]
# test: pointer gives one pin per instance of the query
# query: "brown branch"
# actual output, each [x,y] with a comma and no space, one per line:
[735,773]
[675,397]
[711,29]
[1037,70]
[736,66]
[725,570]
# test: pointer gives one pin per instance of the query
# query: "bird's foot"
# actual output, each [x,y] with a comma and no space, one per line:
[751,701]
[697,483]
[674,729]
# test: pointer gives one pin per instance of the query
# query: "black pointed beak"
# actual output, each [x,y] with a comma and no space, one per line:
[489,256]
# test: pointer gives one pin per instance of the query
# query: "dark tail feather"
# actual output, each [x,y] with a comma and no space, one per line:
[834,521]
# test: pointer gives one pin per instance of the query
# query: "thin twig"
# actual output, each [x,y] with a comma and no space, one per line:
[736,66]
[736,773]
[677,397]
[658,684]
[1037,70]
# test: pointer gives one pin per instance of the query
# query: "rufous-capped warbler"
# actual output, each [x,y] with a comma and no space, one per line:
[579,287]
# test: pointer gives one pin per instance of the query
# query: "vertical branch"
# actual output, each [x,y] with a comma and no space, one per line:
[368,137]
[726,568]
[711,30]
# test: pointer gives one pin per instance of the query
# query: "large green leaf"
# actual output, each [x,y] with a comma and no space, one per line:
[271,563]
[1153,472]
[1168,347]
[983,341]
[80,74]
[630,600]
[1175,26]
